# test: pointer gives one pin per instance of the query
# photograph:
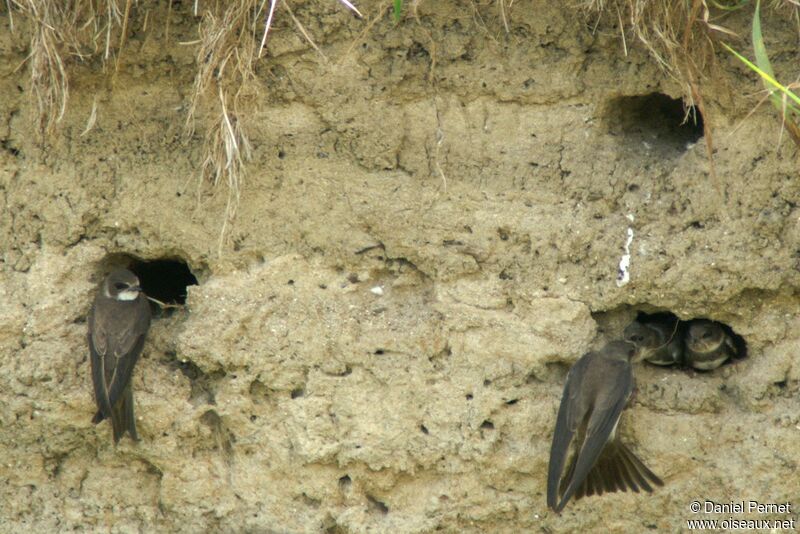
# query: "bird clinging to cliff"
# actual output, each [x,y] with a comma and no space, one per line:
[708,345]
[118,324]
[596,391]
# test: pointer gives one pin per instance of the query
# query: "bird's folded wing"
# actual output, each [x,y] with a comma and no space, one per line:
[599,428]
[564,432]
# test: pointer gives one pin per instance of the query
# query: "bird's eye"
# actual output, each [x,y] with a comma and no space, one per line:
[707,334]
[120,286]
[638,338]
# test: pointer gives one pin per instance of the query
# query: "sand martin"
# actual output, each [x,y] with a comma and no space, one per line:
[660,339]
[598,387]
[118,324]
[708,345]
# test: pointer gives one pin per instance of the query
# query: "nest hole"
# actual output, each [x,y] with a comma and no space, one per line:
[377,506]
[164,279]
[694,334]
[655,120]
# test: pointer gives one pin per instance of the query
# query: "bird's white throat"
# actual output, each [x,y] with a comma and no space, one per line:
[127,295]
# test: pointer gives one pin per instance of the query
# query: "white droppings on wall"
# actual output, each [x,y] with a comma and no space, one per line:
[623,273]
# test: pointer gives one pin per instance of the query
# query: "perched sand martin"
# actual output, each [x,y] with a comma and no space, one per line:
[708,345]
[596,391]
[118,324]
[660,339]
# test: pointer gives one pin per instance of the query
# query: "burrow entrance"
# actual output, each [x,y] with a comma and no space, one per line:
[654,121]
[668,341]
[164,279]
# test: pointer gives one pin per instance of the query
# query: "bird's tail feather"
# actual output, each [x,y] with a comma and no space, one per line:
[122,418]
[616,469]
[638,469]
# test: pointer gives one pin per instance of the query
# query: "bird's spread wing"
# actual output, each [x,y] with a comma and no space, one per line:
[564,431]
[617,469]
[601,423]
[639,472]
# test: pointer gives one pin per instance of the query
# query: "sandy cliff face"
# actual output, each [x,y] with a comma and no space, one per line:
[422,248]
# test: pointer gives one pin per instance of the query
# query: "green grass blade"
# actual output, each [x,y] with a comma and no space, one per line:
[768,78]
[398,8]
[759,48]
[762,60]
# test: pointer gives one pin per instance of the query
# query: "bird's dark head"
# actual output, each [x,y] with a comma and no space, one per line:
[704,336]
[121,285]
[640,335]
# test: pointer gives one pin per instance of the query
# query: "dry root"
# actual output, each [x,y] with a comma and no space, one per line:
[59,32]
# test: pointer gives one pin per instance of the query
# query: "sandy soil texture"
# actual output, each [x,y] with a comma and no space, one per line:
[428,236]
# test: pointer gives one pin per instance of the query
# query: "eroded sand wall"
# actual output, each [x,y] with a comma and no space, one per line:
[487,195]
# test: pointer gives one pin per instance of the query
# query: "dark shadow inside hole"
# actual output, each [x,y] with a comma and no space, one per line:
[738,341]
[189,369]
[202,384]
[377,506]
[655,119]
[164,279]
[643,317]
